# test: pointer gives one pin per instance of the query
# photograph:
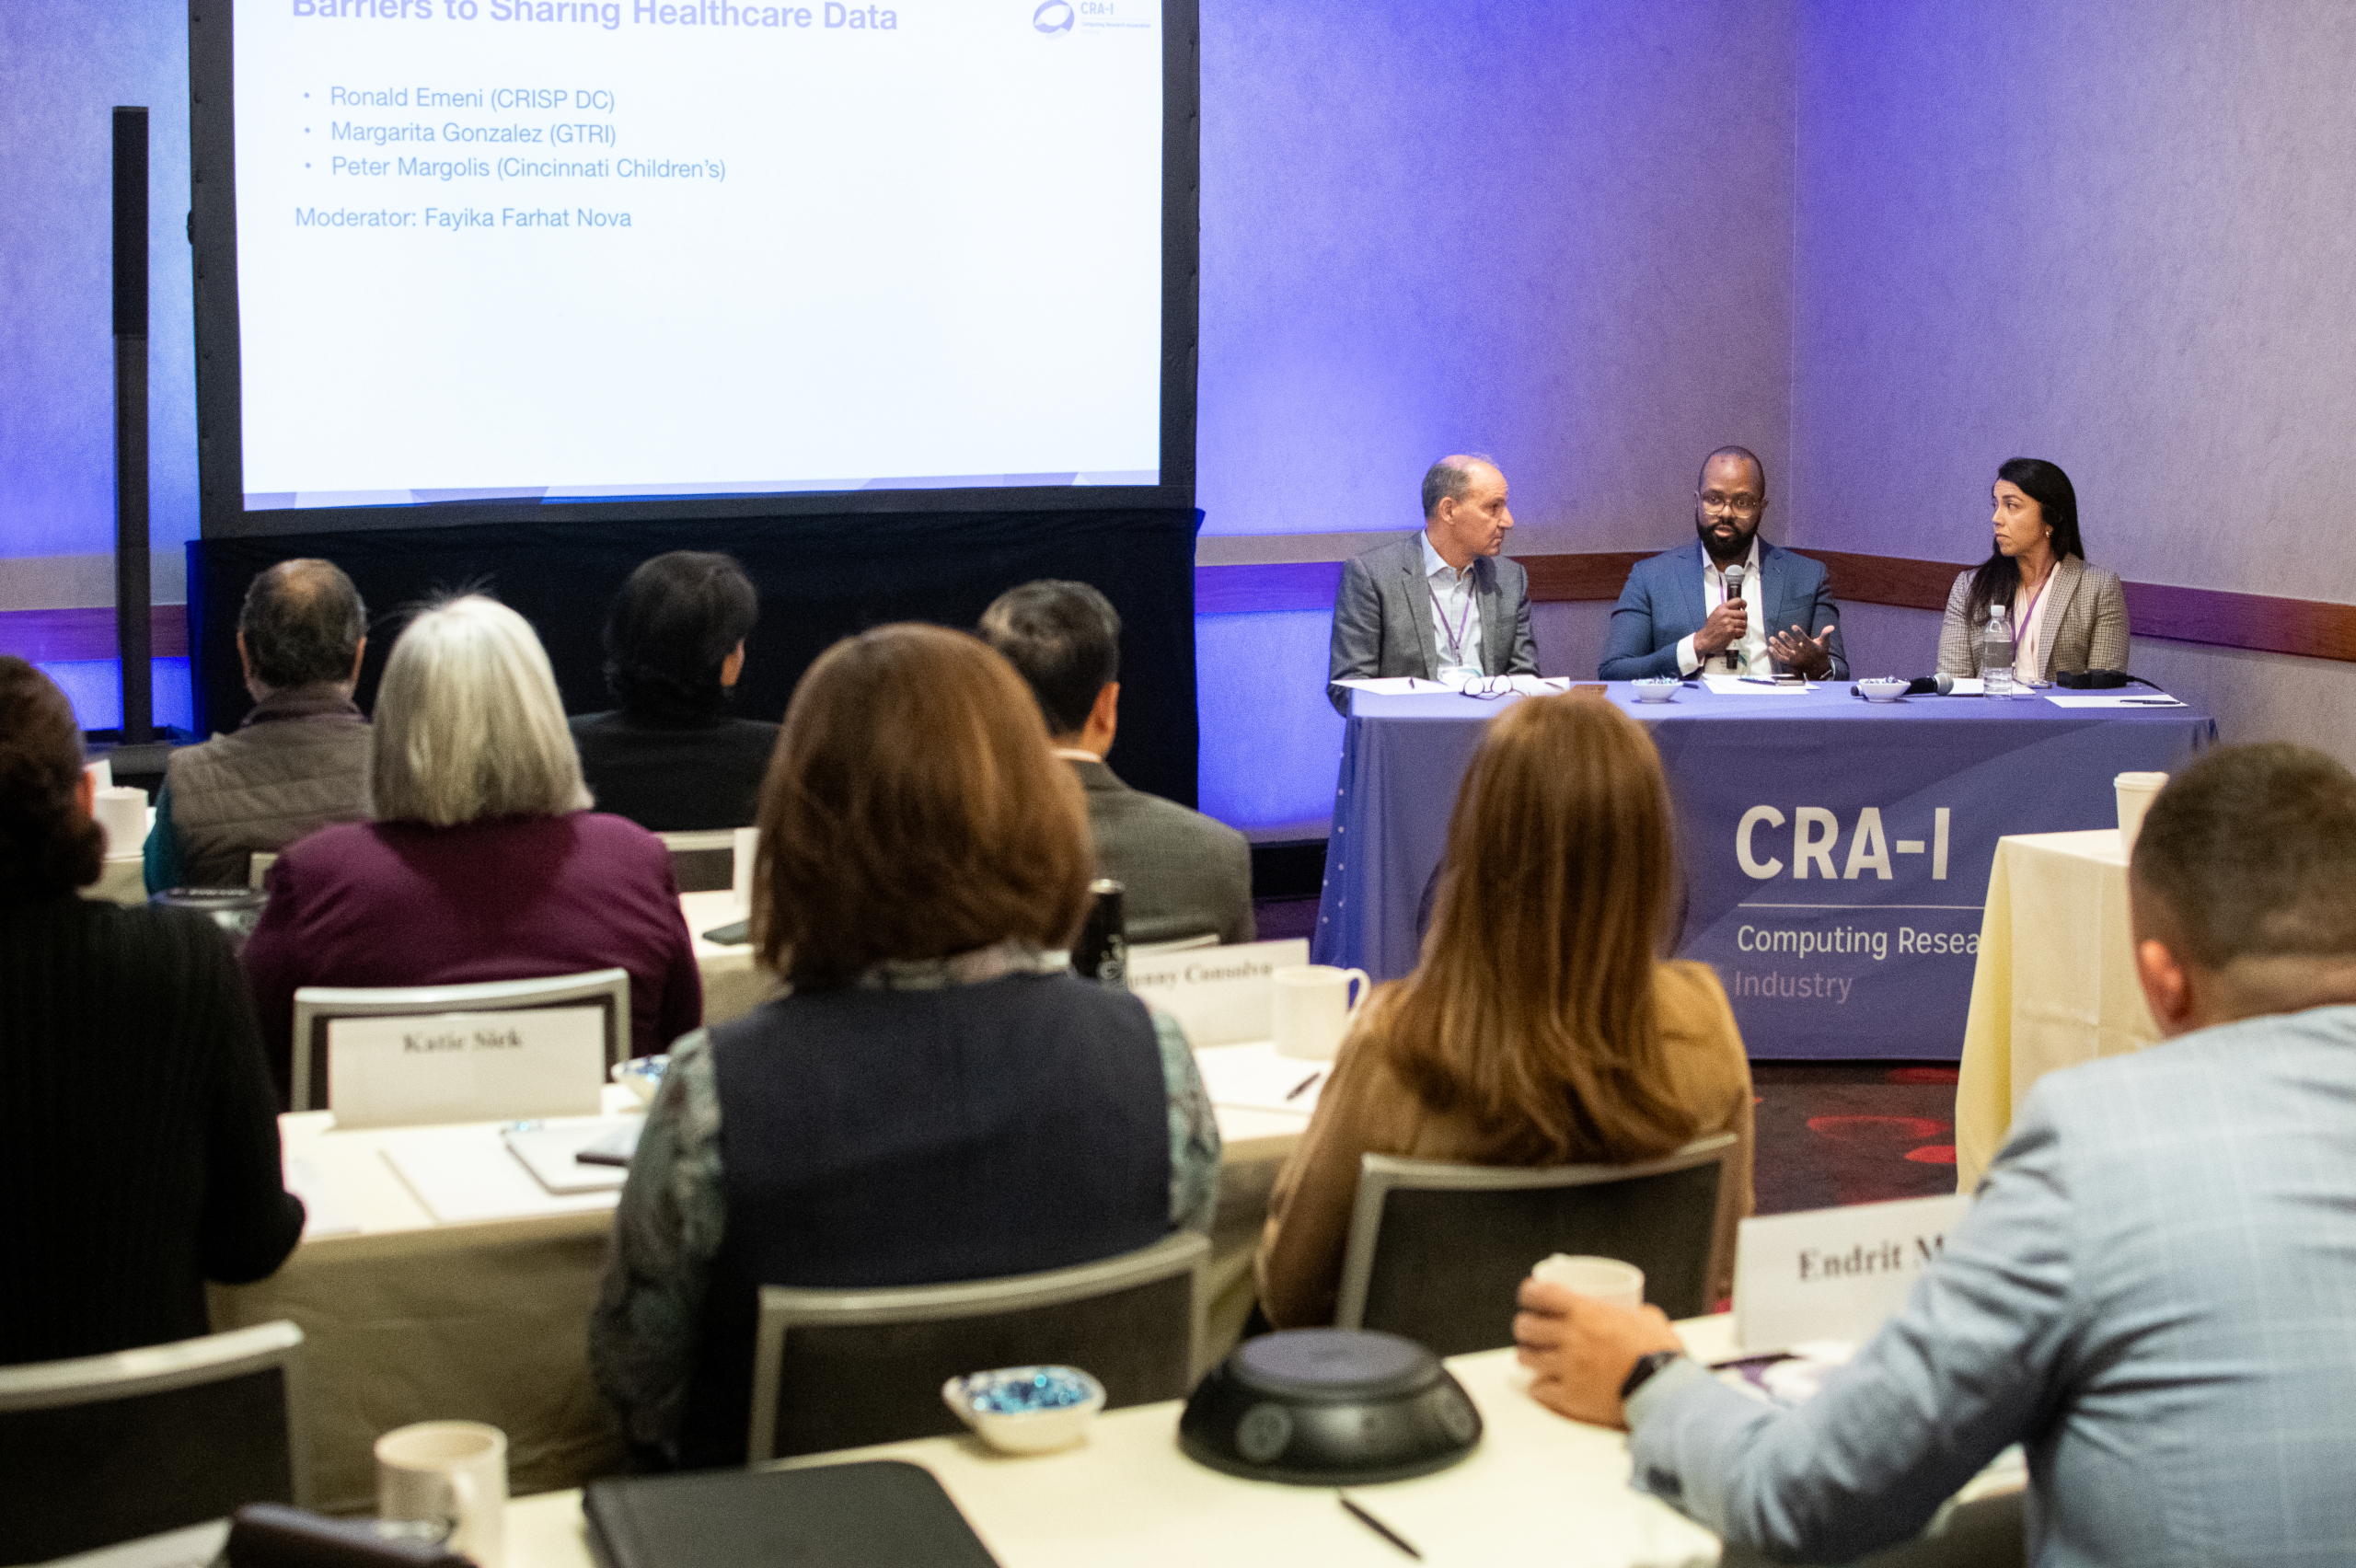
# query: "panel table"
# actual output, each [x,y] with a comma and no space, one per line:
[1836,853]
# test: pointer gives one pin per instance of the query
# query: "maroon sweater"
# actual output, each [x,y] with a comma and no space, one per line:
[513,898]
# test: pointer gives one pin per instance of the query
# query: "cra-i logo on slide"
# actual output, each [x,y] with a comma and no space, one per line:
[1053,16]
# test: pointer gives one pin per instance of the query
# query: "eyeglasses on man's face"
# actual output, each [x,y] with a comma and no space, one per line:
[1740,503]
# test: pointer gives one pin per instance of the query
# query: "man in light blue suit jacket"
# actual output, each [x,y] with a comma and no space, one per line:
[2156,1289]
[1674,617]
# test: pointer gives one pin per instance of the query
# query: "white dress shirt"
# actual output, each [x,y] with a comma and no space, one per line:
[1751,651]
[1456,617]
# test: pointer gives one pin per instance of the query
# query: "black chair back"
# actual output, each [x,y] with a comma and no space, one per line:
[1447,1263]
[77,1477]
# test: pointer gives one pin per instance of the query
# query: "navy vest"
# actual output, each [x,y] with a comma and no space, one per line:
[919,1137]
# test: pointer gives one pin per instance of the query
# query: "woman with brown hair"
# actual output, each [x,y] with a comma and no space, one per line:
[936,1097]
[1541,1027]
[138,1146]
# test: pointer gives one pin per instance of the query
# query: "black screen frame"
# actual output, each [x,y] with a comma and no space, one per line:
[211,230]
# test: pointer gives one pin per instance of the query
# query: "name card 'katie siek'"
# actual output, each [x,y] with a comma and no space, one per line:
[482,1066]
[1834,1273]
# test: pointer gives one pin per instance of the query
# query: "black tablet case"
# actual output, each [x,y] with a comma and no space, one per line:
[874,1513]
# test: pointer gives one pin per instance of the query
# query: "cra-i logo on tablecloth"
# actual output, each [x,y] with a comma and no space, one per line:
[1790,946]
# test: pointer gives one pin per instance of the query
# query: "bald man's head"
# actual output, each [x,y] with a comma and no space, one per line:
[302,623]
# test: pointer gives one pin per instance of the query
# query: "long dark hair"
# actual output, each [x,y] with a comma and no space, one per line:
[672,626]
[1999,577]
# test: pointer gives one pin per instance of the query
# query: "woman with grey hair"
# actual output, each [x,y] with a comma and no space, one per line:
[484,861]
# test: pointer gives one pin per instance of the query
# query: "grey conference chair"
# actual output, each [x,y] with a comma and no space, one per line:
[1436,1250]
[703,860]
[843,1369]
[315,1005]
[1181,944]
[101,1449]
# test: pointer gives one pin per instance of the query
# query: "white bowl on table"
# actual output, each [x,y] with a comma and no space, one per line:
[1026,1410]
[1883,689]
[1655,689]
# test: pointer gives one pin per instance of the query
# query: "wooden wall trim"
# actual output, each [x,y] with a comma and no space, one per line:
[2258,623]
[45,637]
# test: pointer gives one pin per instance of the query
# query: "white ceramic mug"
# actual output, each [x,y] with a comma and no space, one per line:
[747,844]
[2136,793]
[449,1469]
[123,812]
[1605,1279]
[1311,1007]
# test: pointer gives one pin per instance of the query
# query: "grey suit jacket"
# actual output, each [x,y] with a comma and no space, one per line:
[2152,1293]
[1382,618]
[2086,623]
[1182,872]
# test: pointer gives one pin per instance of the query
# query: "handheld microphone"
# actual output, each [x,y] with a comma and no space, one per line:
[1734,590]
[1941,684]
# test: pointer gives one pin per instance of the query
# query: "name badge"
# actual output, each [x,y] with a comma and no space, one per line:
[1834,1273]
[478,1067]
[1224,996]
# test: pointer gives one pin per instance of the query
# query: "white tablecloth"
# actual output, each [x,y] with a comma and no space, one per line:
[408,1319]
[2055,984]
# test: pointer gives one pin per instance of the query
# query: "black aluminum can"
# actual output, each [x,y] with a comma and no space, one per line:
[1100,951]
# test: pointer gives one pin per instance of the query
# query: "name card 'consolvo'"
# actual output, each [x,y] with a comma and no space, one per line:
[1222,995]
[1834,1273]
[483,1067]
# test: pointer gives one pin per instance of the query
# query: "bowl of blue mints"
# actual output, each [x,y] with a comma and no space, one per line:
[1026,1410]
[1655,689]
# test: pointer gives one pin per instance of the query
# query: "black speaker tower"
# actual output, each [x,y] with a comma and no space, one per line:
[132,631]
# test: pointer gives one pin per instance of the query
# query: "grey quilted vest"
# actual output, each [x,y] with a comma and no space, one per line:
[299,762]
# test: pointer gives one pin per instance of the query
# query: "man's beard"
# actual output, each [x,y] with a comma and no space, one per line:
[1734,551]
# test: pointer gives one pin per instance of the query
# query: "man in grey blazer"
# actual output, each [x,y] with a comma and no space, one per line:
[1442,603]
[1183,873]
[2152,1289]
[1675,616]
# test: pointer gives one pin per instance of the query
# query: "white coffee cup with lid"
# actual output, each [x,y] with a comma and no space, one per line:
[2136,792]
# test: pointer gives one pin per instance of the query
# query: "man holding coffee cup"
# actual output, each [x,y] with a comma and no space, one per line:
[2150,1291]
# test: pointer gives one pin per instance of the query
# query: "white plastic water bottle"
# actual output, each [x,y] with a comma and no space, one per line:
[1996,653]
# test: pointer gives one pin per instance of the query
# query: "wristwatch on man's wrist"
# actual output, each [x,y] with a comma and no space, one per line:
[1642,1370]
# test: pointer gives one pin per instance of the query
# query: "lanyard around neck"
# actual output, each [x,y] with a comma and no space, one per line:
[1456,633]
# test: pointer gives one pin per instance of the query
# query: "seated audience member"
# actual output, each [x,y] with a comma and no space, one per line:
[937,1097]
[670,757]
[1541,1027]
[140,1153]
[2151,1292]
[1183,874]
[2064,614]
[298,761]
[482,862]
[1675,618]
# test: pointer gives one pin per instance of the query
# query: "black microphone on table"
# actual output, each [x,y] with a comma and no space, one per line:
[1940,685]
[1734,590]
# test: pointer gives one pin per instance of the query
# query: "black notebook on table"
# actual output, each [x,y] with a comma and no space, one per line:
[874,1513]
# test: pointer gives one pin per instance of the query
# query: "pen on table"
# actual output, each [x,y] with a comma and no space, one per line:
[2149,702]
[1304,1084]
[1378,1527]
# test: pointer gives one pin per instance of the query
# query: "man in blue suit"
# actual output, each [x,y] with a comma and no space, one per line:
[1675,616]
[2151,1291]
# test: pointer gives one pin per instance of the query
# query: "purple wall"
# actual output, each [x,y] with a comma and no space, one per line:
[2118,234]
[1555,232]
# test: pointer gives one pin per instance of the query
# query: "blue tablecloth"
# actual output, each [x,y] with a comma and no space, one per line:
[1835,852]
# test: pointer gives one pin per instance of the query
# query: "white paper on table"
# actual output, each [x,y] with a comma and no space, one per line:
[1737,686]
[1254,1077]
[2114,699]
[324,1213]
[1391,685]
[550,1150]
[465,1174]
